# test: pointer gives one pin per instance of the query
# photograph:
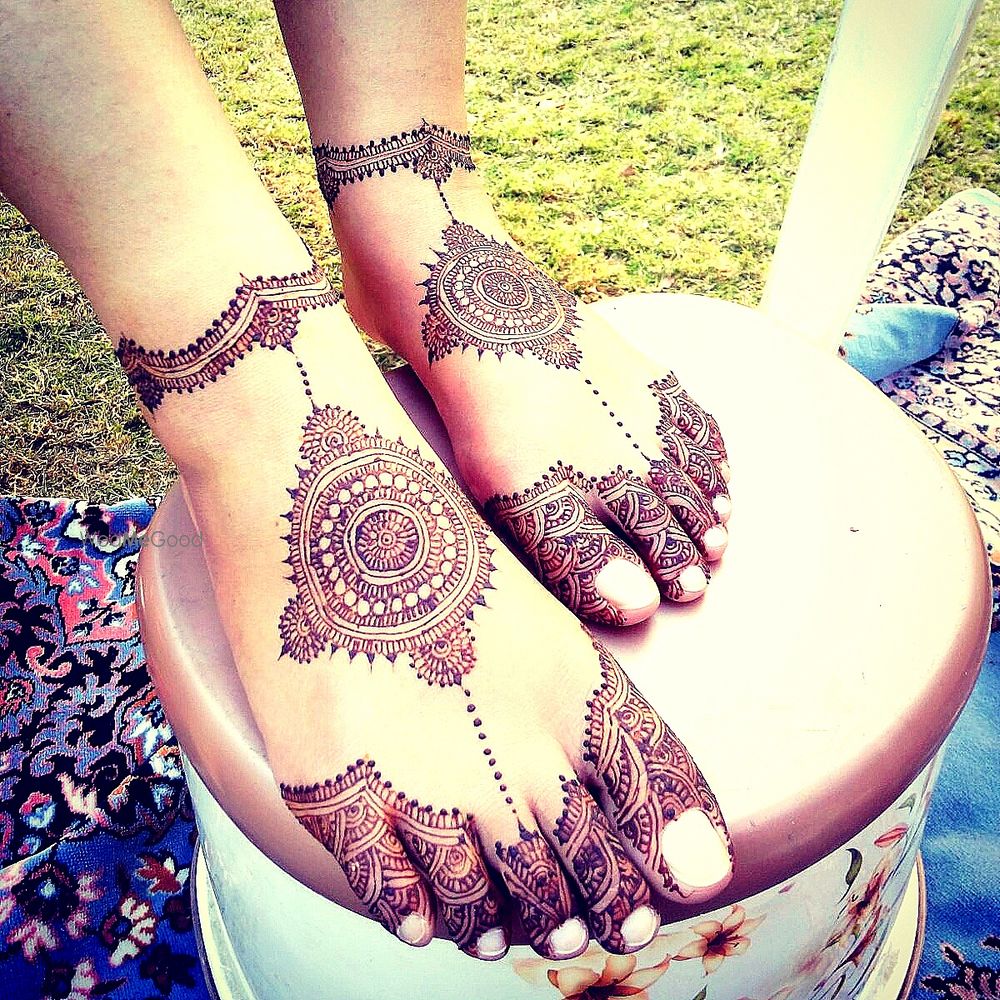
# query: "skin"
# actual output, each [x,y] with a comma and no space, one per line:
[460,756]
[422,247]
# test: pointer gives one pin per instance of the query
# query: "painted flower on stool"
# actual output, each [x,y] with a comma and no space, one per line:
[717,941]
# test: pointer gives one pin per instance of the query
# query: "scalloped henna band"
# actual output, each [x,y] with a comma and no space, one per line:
[263,311]
[431,151]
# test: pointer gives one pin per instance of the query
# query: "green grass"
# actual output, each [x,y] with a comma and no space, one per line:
[630,147]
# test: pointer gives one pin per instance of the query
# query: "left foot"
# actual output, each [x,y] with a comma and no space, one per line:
[561,429]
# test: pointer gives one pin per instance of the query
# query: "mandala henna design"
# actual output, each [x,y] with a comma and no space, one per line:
[387,554]
[648,773]
[678,410]
[553,525]
[611,886]
[390,848]
[486,295]
[648,523]
[431,151]
[537,884]
[263,311]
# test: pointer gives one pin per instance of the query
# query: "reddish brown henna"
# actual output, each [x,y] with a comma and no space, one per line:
[537,884]
[387,554]
[485,295]
[649,525]
[685,500]
[647,772]
[431,151]
[610,884]
[678,410]
[263,311]
[553,525]
[391,848]
[695,462]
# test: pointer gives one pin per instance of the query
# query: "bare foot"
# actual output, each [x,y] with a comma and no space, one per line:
[591,460]
[445,728]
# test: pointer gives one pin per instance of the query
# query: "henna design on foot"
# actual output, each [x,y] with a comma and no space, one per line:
[679,411]
[263,311]
[611,886]
[568,546]
[431,151]
[387,554]
[390,848]
[538,886]
[650,777]
[486,295]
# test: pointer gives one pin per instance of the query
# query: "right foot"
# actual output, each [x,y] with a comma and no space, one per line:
[441,724]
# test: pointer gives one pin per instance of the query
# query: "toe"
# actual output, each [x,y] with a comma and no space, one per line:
[615,893]
[541,894]
[444,847]
[661,804]
[588,567]
[696,462]
[691,508]
[351,818]
[678,409]
[647,522]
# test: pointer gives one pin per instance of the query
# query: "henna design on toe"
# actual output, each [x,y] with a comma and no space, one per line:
[263,311]
[648,773]
[390,848]
[387,554]
[679,411]
[431,151]
[486,295]
[610,884]
[553,525]
[536,881]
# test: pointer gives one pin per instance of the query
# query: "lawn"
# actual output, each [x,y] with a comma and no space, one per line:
[630,146]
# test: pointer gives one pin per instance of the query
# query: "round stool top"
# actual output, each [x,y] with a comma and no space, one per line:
[839,639]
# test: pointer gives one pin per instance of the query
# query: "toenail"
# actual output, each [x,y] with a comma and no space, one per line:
[492,944]
[693,580]
[414,930]
[722,506]
[639,927]
[716,537]
[725,471]
[568,939]
[695,851]
[627,586]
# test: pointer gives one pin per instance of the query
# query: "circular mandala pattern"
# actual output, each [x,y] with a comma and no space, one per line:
[487,295]
[387,555]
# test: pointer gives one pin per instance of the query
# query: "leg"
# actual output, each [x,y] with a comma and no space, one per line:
[561,429]
[350,571]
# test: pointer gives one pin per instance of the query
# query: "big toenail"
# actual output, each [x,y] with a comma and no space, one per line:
[725,471]
[639,927]
[568,939]
[627,586]
[693,580]
[716,537]
[414,930]
[695,850]
[722,506]
[492,944]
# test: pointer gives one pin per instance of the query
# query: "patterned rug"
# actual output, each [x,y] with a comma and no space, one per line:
[96,830]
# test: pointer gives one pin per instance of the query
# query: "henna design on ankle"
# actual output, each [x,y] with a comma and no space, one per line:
[553,525]
[649,775]
[679,412]
[486,295]
[387,554]
[648,523]
[537,884]
[390,848]
[431,151]
[611,886]
[263,311]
